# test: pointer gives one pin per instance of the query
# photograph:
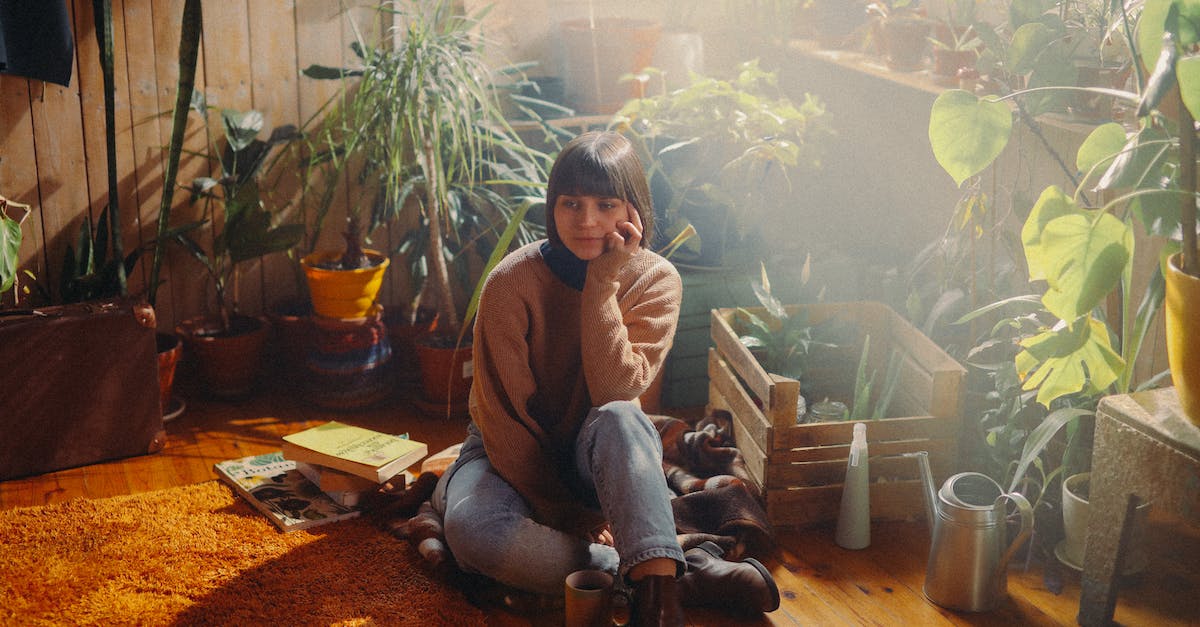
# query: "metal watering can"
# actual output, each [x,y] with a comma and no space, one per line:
[968,560]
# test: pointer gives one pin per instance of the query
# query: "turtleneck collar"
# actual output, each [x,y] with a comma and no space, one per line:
[565,265]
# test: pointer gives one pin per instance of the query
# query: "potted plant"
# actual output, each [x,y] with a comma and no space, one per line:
[228,345]
[720,155]
[1144,172]
[834,21]
[1069,353]
[955,44]
[903,32]
[432,139]
[784,341]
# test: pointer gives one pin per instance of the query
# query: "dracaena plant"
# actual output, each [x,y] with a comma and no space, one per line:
[1083,251]
[422,118]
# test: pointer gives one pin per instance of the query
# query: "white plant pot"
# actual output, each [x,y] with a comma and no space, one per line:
[1076,510]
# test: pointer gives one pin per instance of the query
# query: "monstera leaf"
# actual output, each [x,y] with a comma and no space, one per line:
[967,133]
[1081,253]
[1068,360]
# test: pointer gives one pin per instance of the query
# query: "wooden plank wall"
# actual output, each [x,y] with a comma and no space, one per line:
[53,155]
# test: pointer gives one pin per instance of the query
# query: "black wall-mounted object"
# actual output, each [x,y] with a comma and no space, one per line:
[36,40]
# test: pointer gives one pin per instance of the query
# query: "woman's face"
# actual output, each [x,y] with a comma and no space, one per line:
[584,221]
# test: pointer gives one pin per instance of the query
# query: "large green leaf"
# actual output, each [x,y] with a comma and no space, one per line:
[1139,162]
[1158,212]
[1041,436]
[1187,72]
[967,133]
[1086,253]
[1052,204]
[10,246]
[241,127]
[1099,148]
[1021,12]
[1150,27]
[1028,43]
[1073,359]
[252,236]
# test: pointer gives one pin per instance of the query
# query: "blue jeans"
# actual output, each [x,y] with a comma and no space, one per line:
[618,455]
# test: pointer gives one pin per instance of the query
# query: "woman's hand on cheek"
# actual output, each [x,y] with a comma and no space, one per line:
[619,245]
[628,236]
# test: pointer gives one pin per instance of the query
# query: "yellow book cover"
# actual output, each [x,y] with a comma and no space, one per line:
[356,450]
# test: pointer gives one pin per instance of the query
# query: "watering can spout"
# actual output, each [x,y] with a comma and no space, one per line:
[930,489]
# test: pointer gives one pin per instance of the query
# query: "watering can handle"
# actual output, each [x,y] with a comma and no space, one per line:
[1026,511]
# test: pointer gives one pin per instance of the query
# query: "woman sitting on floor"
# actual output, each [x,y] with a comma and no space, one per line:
[561,470]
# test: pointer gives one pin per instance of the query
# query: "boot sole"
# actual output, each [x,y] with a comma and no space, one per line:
[717,552]
[766,575]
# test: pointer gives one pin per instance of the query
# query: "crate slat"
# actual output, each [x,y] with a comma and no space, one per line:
[892,500]
[783,473]
[840,433]
[752,453]
[740,359]
[740,403]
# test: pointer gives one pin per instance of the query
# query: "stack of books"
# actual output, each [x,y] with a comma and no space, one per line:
[322,474]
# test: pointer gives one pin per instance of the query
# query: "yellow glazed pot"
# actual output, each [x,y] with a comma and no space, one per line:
[1183,336]
[343,293]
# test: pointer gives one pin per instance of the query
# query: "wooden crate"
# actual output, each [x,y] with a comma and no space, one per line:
[801,466]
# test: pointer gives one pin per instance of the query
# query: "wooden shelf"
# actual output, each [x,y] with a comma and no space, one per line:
[920,80]
[578,121]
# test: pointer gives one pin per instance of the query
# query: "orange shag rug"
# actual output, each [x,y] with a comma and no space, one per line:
[200,555]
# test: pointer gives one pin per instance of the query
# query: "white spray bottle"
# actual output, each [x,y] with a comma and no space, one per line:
[854,519]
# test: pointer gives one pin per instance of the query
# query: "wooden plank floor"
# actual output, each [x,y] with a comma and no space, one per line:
[821,583]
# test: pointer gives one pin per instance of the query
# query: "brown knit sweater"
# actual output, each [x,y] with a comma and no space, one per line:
[545,354]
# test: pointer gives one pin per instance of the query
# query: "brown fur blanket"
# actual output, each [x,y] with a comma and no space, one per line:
[716,499]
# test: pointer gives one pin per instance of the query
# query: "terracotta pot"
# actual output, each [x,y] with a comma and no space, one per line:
[677,54]
[947,63]
[403,331]
[169,347]
[905,39]
[291,321]
[1183,336]
[343,293]
[349,362]
[594,60]
[228,363]
[1095,107]
[833,22]
[446,374]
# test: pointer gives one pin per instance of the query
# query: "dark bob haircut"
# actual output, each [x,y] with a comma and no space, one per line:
[603,164]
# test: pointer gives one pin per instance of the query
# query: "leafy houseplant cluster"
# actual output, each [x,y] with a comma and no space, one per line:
[248,231]
[785,343]
[1066,349]
[720,154]
[419,133]
[229,345]
[420,129]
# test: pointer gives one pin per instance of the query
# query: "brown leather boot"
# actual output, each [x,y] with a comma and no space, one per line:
[744,587]
[656,603]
